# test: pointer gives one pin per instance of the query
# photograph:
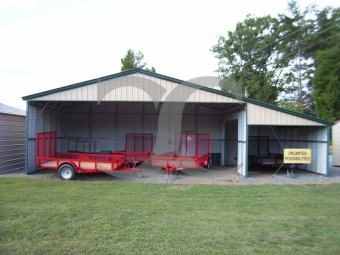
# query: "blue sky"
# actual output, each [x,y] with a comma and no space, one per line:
[48,44]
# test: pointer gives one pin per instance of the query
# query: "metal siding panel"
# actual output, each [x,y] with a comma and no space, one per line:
[163,137]
[231,142]
[258,115]
[129,92]
[77,125]
[336,143]
[104,131]
[242,153]
[32,113]
[129,124]
[205,110]
[162,90]
[12,142]
[211,125]
[189,109]
[188,124]
[30,156]
[93,93]
[131,108]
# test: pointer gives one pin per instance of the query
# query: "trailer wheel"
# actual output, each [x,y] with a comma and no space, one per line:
[66,172]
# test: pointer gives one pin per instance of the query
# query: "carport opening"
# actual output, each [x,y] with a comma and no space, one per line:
[266,146]
[98,127]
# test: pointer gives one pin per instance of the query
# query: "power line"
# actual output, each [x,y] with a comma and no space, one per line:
[309,46]
[283,37]
[315,34]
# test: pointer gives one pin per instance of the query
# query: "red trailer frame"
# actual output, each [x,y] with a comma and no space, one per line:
[69,163]
[191,151]
[138,148]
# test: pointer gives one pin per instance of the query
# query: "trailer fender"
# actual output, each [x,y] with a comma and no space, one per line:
[69,163]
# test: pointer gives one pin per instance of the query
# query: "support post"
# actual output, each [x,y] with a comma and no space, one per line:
[281,145]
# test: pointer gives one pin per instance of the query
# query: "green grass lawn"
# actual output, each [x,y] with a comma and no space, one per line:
[76,217]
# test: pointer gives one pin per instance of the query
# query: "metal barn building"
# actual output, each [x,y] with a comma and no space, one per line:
[103,110]
[12,138]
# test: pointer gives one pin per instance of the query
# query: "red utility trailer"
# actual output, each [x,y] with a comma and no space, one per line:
[70,163]
[191,151]
[138,148]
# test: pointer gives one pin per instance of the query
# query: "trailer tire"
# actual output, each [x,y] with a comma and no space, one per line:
[66,172]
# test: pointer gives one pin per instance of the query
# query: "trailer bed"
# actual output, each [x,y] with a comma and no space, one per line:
[83,162]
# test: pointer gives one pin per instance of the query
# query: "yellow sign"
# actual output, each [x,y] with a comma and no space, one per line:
[297,156]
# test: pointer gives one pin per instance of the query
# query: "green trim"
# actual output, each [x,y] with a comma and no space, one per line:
[278,169]
[282,125]
[277,137]
[189,84]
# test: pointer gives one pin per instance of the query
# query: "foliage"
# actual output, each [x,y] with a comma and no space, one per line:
[112,217]
[134,60]
[247,56]
[276,59]
[295,28]
[326,81]
[326,84]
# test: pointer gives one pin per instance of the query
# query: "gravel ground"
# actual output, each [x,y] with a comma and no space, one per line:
[216,175]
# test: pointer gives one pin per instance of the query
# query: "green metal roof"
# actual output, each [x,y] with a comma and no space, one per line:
[171,79]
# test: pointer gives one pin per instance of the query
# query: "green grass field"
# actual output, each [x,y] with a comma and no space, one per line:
[76,217]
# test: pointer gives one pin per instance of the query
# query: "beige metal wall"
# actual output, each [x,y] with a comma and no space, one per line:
[136,87]
[258,115]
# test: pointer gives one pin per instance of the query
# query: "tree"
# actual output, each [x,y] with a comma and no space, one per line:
[326,84]
[249,56]
[134,60]
[296,27]
[283,60]
[326,81]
